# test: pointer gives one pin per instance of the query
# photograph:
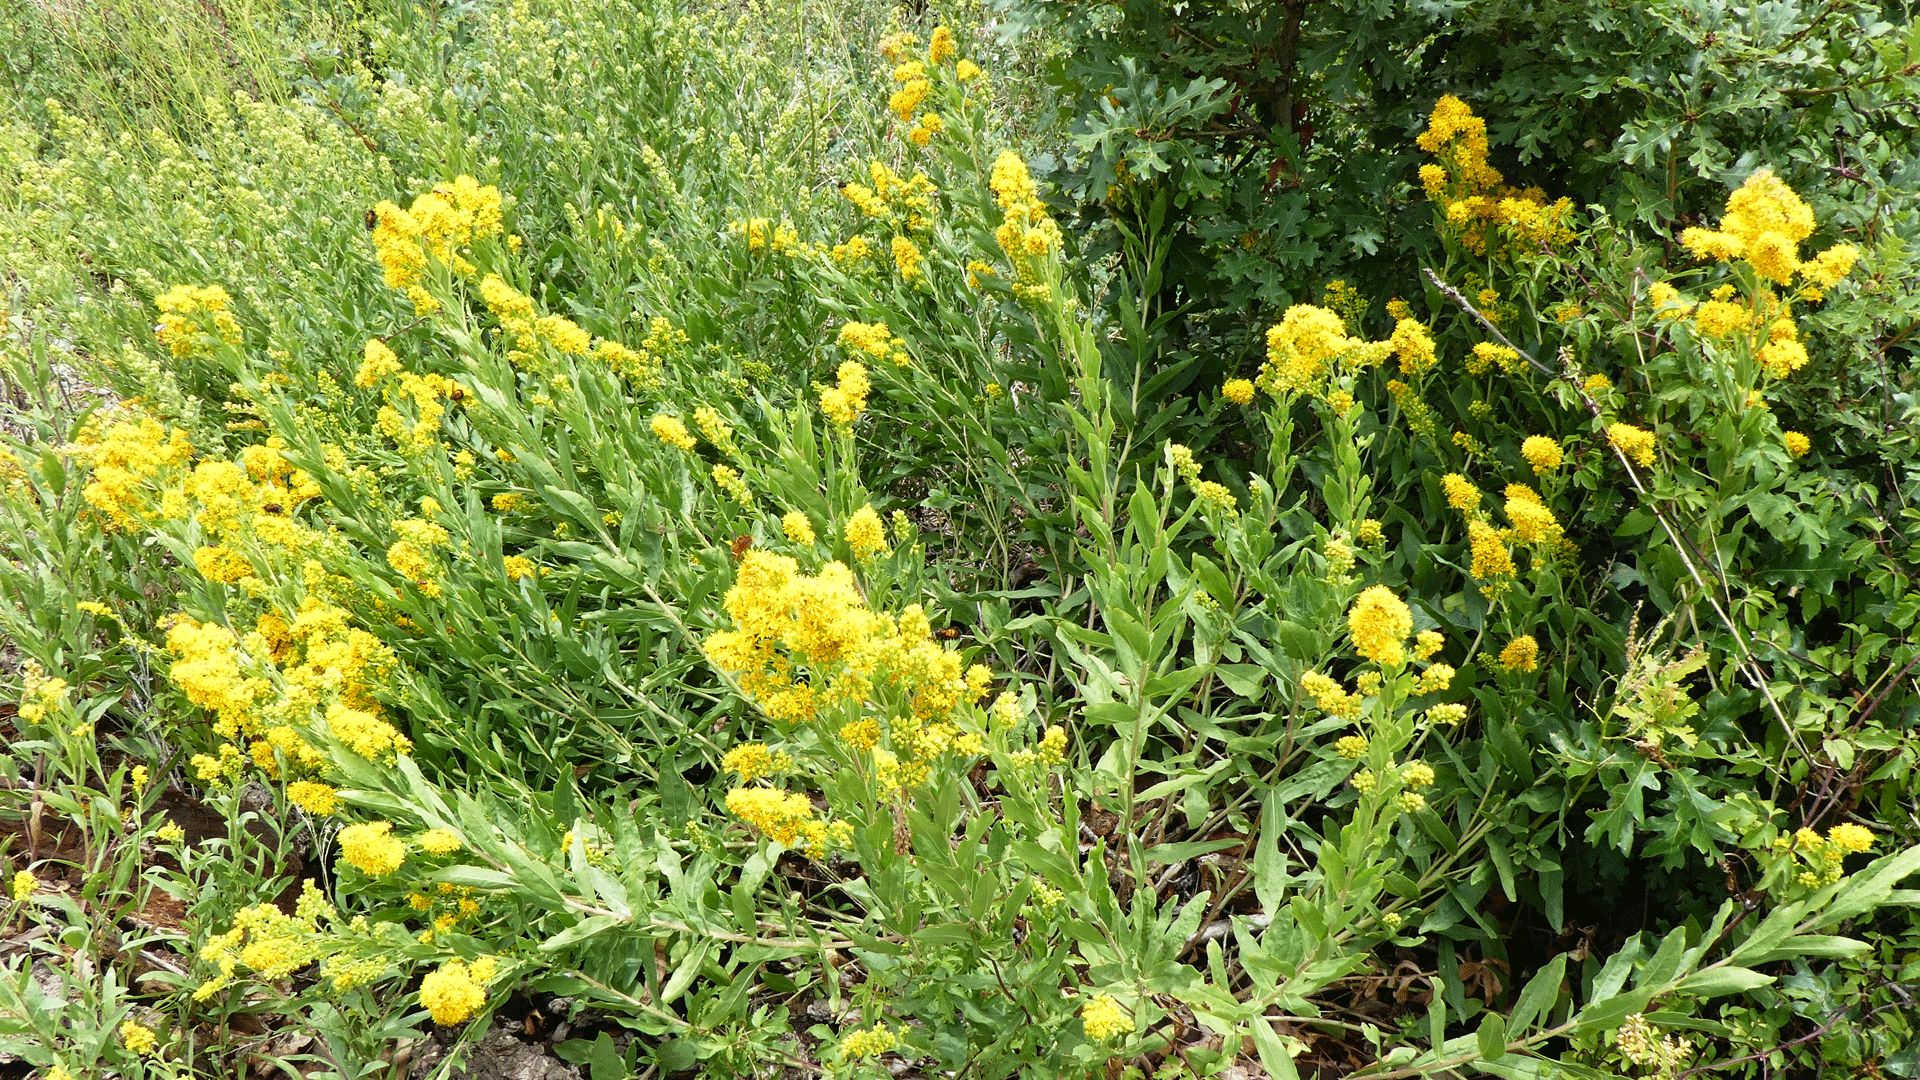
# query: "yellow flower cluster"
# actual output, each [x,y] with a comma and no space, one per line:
[1304,345]
[526,329]
[866,537]
[1027,233]
[786,818]
[1636,443]
[1824,858]
[797,527]
[1487,355]
[1542,453]
[763,235]
[1104,1018]
[752,761]
[439,225]
[1764,224]
[843,403]
[908,260]
[909,202]
[1413,344]
[24,885]
[1486,216]
[672,431]
[1380,624]
[193,318]
[138,1038]
[1797,444]
[1238,391]
[128,461]
[1332,698]
[372,849]
[875,340]
[866,1042]
[268,942]
[1522,654]
[456,990]
[729,480]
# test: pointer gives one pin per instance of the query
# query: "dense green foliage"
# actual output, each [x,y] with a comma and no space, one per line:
[648,514]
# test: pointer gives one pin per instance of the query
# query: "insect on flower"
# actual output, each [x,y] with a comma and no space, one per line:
[373,221]
[740,546]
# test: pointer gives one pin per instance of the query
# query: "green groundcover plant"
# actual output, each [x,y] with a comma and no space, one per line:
[661,518]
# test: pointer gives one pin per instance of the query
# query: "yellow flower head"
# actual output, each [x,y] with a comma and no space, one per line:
[866,1042]
[138,1038]
[371,849]
[1850,837]
[797,527]
[439,842]
[1542,453]
[1635,443]
[865,535]
[1238,391]
[751,761]
[313,797]
[844,403]
[673,432]
[1522,654]
[1104,1018]
[1380,624]
[1461,492]
[455,991]
[1797,444]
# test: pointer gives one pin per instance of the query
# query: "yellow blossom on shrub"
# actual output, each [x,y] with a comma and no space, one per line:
[519,566]
[1380,624]
[1797,444]
[1522,654]
[966,71]
[1533,523]
[754,760]
[1351,747]
[24,885]
[1850,837]
[797,527]
[1302,346]
[780,815]
[1330,696]
[189,314]
[138,1038]
[1413,345]
[1764,224]
[1214,496]
[864,534]
[456,990]
[376,364]
[844,403]
[941,45]
[1238,391]
[1542,453]
[315,798]
[369,848]
[908,260]
[439,842]
[670,430]
[1634,442]
[1491,560]
[1461,492]
[1104,1018]
[866,1042]
[1488,354]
